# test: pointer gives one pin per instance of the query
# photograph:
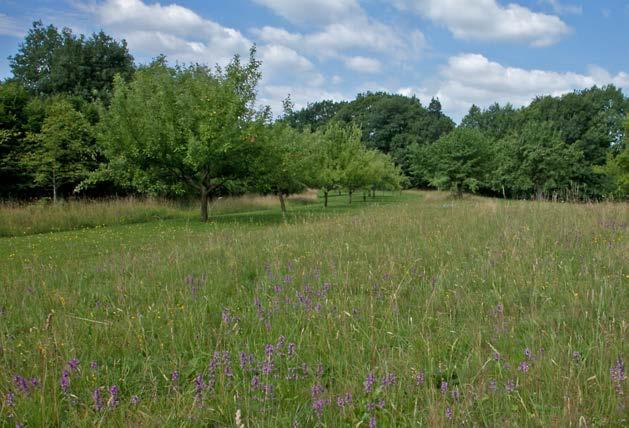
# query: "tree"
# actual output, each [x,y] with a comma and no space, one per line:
[537,161]
[63,153]
[617,168]
[284,166]
[184,128]
[459,161]
[52,62]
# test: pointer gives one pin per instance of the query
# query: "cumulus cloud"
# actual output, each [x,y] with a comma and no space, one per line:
[563,8]
[473,79]
[173,30]
[489,20]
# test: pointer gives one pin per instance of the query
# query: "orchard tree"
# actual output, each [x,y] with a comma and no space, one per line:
[184,128]
[63,153]
[283,169]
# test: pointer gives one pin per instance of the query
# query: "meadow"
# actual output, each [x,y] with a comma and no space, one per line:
[410,309]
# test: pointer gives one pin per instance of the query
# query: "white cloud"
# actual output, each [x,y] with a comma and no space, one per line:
[489,20]
[473,79]
[173,30]
[10,27]
[313,11]
[300,95]
[363,64]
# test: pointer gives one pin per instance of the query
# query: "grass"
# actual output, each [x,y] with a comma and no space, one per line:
[414,290]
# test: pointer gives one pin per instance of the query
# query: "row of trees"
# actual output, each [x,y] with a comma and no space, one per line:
[79,117]
[176,129]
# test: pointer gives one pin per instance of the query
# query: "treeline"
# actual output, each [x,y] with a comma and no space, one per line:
[158,129]
[570,147]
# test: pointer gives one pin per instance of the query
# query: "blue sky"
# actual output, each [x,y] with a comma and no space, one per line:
[462,51]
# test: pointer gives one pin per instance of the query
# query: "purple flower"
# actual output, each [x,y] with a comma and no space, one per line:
[372,421]
[317,406]
[617,372]
[523,367]
[456,394]
[281,341]
[369,383]
[527,353]
[268,351]
[316,390]
[444,387]
[291,349]
[510,386]
[576,356]
[267,367]
[242,356]
[73,364]
[64,382]
[10,399]
[97,399]
[21,384]
[174,376]
[344,400]
[113,396]
[420,378]
[493,385]
[226,316]
[135,400]
[449,412]
[389,379]
[93,365]
[267,390]
[496,356]
[255,382]
[34,382]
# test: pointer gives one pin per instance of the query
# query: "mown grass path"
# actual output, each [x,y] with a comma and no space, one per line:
[423,311]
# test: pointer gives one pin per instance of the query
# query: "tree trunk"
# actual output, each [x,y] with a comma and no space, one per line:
[350,196]
[54,186]
[325,198]
[204,203]
[282,204]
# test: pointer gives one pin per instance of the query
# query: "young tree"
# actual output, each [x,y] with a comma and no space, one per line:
[283,169]
[175,129]
[63,152]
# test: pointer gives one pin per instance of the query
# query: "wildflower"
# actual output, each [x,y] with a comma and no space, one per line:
[268,392]
[523,367]
[576,356]
[372,421]
[113,396]
[510,386]
[21,384]
[456,394]
[174,376]
[449,412]
[65,381]
[34,382]
[493,385]
[444,387]
[527,353]
[93,365]
[291,349]
[242,356]
[369,382]
[281,341]
[267,367]
[317,406]
[344,400]
[268,351]
[420,378]
[255,382]
[73,364]
[496,356]
[98,400]
[617,375]
[389,379]
[226,316]
[135,400]
[10,399]
[199,385]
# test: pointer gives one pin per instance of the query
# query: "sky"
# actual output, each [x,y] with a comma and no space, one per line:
[463,52]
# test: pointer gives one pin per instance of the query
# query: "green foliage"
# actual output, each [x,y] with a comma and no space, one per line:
[63,152]
[52,62]
[537,162]
[459,161]
[172,130]
[616,169]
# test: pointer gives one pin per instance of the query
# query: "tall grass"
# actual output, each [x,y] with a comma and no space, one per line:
[19,219]
[428,312]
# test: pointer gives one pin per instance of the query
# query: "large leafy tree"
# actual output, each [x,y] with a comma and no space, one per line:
[63,152]
[459,161]
[537,162]
[184,128]
[51,62]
